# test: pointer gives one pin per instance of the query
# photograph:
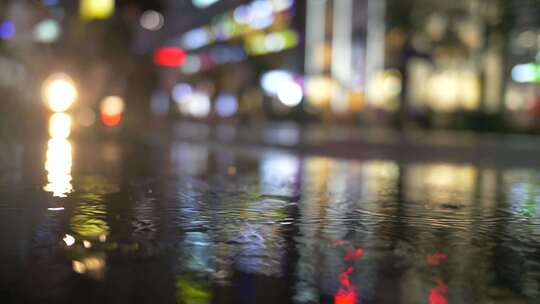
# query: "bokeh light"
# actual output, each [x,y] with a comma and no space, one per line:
[290,94]
[47,31]
[196,104]
[152,20]
[169,56]
[226,105]
[96,9]
[7,30]
[59,92]
[112,108]
[181,91]
[273,81]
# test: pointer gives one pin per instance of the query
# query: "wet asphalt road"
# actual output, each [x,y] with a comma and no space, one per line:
[110,220]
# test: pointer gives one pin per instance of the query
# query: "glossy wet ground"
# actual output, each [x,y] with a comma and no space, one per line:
[106,221]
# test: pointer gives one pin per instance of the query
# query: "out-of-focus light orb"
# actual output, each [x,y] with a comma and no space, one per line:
[274,42]
[192,64]
[195,38]
[203,3]
[47,31]
[7,29]
[452,90]
[242,14]
[226,105]
[320,89]
[169,56]
[112,108]
[260,14]
[181,91]
[290,94]
[112,105]
[68,240]
[383,89]
[261,9]
[526,39]
[59,92]
[261,44]
[272,81]
[96,9]
[152,20]
[528,72]
[199,105]
[261,23]
[60,125]
[196,104]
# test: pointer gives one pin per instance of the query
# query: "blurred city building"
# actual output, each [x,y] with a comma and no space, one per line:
[417,63]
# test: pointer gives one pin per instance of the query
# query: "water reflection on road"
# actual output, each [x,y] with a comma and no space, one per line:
[182,222]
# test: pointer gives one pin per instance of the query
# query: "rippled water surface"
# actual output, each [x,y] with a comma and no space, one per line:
[180,222]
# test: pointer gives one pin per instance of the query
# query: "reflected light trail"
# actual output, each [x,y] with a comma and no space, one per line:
[437,294]
[354,255]
[60,126]
[347,293]
[58,167]
[59,156]
[345,296]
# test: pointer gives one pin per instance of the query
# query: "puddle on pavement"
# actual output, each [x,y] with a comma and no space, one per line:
[179,222]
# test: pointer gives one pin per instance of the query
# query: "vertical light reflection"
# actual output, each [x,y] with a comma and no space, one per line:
[441,183]
[58,166]
[279,173]
[314,185]
[60,125]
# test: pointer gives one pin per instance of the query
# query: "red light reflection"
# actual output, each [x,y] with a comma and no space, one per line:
[437,294]
[169,56]
[354,255]
[344,296]
[347,293]
[344,277]
[436,259]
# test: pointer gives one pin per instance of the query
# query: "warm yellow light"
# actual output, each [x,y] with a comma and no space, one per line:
[60,125]
[59,92]
[319,90]
[454,89]
[58,167]
[96,9]
[112,105]
[384,89]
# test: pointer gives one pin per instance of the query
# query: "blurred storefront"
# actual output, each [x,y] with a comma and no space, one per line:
[416,63]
